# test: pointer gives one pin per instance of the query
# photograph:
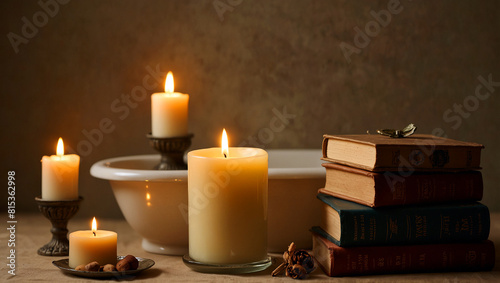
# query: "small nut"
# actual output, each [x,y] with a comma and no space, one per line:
[81,267]
[108,268]
[93,266]
[127,263]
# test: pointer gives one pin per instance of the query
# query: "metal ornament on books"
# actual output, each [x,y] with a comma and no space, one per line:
[405,132]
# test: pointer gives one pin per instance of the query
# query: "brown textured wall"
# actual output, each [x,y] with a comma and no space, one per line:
[241,66]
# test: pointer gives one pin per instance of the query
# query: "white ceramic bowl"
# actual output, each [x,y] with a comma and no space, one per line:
[154,202]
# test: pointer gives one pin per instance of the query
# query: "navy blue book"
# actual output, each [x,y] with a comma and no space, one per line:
[351,224]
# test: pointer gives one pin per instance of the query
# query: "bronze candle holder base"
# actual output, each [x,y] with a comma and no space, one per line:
[58,212]
[171,150]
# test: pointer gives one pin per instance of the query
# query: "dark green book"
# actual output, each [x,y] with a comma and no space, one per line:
[352,224]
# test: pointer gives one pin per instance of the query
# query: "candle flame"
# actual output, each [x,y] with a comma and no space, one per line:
[94,226]
[169,83]
[225,144]
[60,147]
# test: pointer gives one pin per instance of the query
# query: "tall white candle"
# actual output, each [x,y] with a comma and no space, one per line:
[92,245]
[169,111]
[227,205]
[60,175]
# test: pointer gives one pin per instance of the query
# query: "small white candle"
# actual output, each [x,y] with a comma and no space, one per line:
[169,112]
[227,190]
[92,245]
[60,175]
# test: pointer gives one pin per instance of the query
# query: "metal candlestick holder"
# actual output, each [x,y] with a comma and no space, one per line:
[58,212]
[172,151]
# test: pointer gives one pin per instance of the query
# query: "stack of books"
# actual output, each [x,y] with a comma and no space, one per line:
[401,205]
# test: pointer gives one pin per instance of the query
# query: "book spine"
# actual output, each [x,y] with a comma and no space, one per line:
[393,188]
[414,225]
[404,259]
[427,157]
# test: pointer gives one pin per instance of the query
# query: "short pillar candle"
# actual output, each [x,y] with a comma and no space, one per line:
[92,245]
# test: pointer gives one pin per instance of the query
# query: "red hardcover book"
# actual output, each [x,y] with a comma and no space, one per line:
[338,261]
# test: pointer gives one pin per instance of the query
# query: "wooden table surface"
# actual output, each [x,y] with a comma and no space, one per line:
[33,231]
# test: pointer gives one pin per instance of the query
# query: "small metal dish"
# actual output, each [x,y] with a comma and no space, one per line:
[144,263]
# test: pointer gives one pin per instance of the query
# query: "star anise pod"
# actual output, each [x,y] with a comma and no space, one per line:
[296,271]
[304,259]
[296,263]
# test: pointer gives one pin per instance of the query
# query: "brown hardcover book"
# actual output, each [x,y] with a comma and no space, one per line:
[392,188]
[338,261]
[414,153]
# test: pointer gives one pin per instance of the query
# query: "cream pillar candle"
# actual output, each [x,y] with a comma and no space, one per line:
[60,175]
[227,205]
[169,112]
[92,245]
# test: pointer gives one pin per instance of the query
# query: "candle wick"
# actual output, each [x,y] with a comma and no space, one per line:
[225,156]
[94,233]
